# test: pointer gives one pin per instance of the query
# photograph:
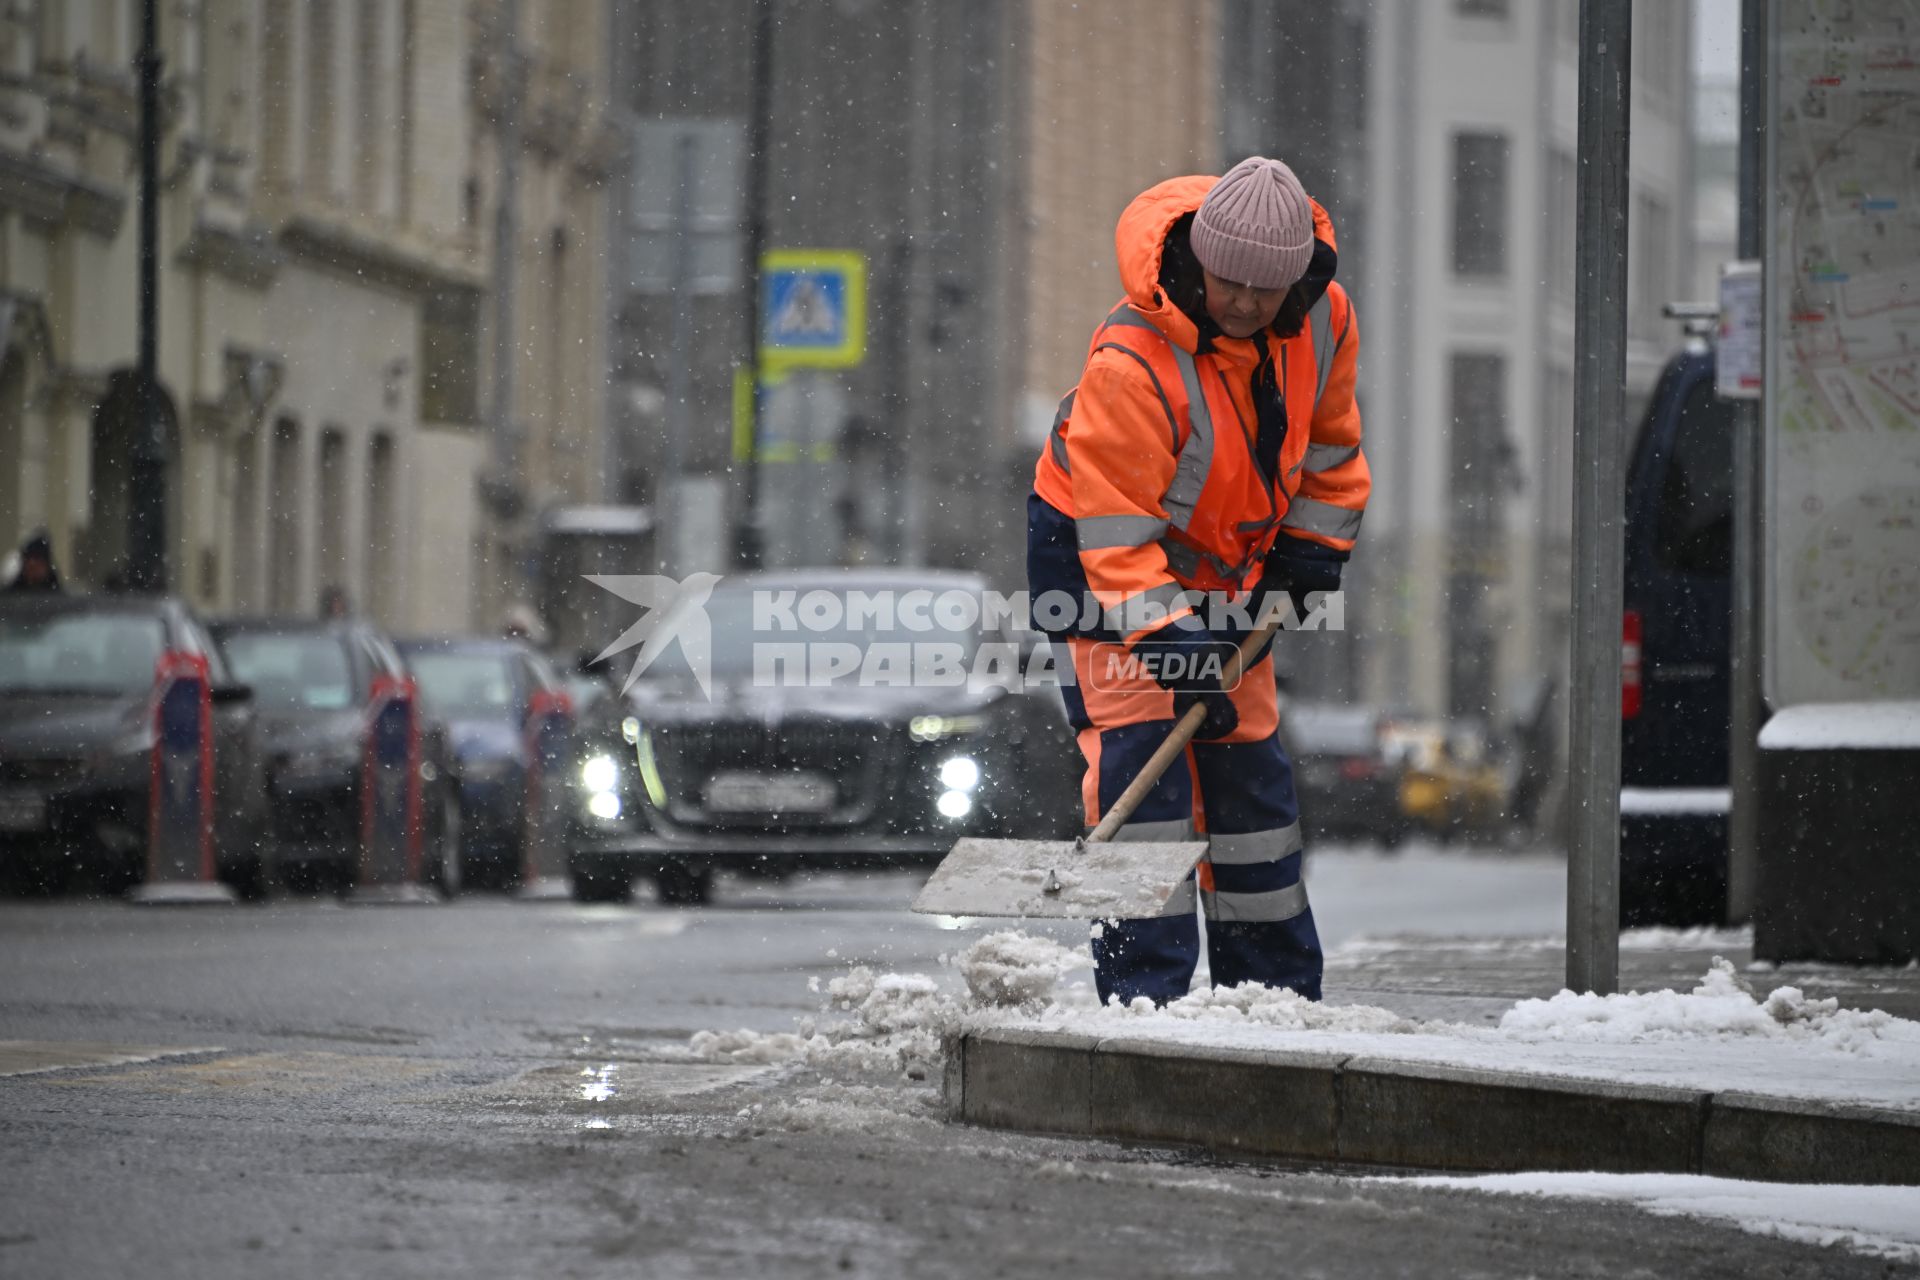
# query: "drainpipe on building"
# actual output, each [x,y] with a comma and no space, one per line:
[147,477]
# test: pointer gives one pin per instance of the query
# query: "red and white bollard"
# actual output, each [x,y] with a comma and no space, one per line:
[180,858]
[391,825]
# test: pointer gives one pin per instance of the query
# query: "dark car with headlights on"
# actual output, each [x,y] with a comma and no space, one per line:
[485,691]
[814,725]
[78,685]
[313,683]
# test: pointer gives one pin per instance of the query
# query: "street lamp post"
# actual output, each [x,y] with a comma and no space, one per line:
[147,479]
[747,549]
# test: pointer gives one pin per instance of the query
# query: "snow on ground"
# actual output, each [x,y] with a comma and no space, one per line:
[1719,1036]
[1884,1221]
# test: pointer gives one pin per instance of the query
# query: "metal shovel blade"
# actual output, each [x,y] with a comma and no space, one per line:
[1070,879]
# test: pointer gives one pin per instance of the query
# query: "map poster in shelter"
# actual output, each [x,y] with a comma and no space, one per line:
[1842,595]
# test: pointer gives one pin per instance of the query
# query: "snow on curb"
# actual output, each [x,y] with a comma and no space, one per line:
[1884,1221]
[1720,1036]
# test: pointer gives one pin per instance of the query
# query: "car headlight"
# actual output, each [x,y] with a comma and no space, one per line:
[940,728]
[604,805]
[600,773]
[954,804]
[960,773]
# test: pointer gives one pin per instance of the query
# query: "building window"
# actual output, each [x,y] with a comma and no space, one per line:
[285,496]
[276,88]
[320,97]
[247,539]
[1480,463]
[370,117]
[1479,204]
[330,555]
[450,357]
[382,541]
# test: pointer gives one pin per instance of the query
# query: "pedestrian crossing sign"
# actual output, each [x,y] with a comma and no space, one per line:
[813,308]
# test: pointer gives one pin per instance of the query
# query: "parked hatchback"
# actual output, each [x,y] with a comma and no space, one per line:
[78,690]
[313,684]
[486,690]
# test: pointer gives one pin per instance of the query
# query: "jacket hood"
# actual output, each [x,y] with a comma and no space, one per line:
[1140,245]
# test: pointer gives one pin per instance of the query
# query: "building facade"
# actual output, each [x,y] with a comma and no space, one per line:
[1468,364]
[325,291]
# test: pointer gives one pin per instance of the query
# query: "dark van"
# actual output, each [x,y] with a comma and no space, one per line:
[1676,642]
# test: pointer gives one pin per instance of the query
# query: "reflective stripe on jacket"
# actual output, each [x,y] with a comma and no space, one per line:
[1151,456]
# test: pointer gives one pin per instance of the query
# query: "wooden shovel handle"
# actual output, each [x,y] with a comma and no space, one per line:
[1177,741]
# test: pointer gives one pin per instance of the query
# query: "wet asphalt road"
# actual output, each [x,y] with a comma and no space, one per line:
[492,1088]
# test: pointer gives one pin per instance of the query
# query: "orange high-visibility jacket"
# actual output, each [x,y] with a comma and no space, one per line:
[1152,454]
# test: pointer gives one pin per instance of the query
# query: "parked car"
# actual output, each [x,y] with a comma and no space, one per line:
[77,729]
[312,684]
[768,775]
[1676,651]
[1345,778]
[485,690]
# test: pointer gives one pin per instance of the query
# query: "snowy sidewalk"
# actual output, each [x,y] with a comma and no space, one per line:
[1464,1055]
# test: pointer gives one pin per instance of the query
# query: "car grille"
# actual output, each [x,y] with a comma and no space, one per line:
[852,753]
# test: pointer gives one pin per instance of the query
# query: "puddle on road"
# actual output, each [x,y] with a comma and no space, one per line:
[601,1092]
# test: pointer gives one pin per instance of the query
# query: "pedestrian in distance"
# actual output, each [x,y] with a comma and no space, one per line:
[1212,446]
[36,571]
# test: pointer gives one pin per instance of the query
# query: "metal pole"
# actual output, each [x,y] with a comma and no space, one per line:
[1749,709]
[679,363]
[746,537]
[147,478]
[1599,494]
[917,490]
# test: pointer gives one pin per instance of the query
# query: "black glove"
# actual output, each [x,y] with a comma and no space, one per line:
[1187,660]
[1293,569]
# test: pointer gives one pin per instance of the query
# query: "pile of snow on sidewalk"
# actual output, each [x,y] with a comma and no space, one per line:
[1722,1006]
[891,1022]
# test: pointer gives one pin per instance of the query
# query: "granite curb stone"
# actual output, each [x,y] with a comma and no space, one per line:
[1371,1110]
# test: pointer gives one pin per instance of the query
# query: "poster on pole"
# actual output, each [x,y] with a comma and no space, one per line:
[1842,412]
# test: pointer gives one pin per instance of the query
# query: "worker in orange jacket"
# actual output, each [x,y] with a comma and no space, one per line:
[1212,446]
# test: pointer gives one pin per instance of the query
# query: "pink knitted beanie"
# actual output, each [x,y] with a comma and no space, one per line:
[1256,226]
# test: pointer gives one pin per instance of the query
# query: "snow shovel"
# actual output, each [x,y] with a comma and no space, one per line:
[1094,877]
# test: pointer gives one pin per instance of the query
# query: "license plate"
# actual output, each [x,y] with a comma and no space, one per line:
[770,793]
[22,811]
